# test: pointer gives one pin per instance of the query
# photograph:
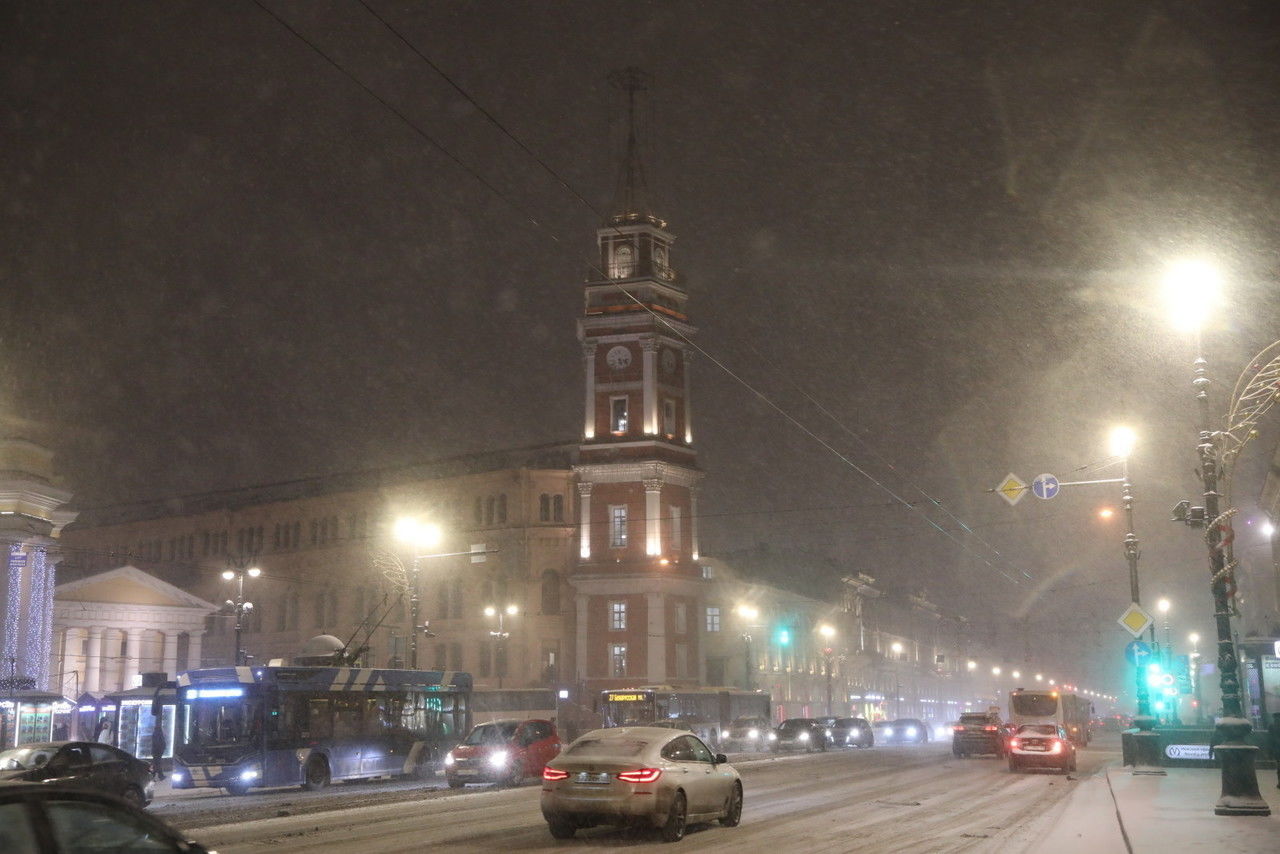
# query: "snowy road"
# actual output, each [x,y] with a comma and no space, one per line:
[884,799]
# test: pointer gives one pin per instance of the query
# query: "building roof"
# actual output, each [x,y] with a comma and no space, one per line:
[550,456]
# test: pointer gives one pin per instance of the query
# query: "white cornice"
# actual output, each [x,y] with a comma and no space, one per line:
[622,472]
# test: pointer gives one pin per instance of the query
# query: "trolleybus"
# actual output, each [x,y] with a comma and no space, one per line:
[708,712]
[244,727]
[1067,710]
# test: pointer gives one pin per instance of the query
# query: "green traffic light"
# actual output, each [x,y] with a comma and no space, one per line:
[784,637]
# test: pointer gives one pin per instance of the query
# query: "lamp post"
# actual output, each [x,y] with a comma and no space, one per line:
[828,655]
[419,535]
[1192,288]
[1194,674]
[1122,442]
[749,614]
[500,636]
[239,605]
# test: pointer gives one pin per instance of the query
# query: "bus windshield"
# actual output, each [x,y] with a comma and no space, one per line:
[1035,705]
[223,721]
[629,709]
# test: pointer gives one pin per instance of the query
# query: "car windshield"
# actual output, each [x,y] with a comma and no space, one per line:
[746,722]
[588,747]
[848,722]
[25,758]
[496,733]
[1038,729]
[975,719]
[795,724]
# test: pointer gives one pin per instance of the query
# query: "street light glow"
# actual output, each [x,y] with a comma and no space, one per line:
[1016,674]
[1191,287]
[1194,637]
[512,610]
[253,572]
[489,610]
[749,612]
[972,665]
[1039,677]
[1122,441]
[419,534]
[1106,513]
[1163,606]
[1268,530]
[227,575]
[995,671]
[896,647]
[826,631]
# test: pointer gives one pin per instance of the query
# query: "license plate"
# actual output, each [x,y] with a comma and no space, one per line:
[594,779]
[465,772]
[1034,747]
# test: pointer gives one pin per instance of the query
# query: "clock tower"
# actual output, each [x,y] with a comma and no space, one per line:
[639,590]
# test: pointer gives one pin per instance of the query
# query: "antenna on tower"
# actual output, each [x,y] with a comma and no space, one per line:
[631,200]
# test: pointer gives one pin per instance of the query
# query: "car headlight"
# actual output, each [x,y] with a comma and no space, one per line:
[448,759]
[498,758]
[753,733]
[910,732]
[249,774]
[855,732]
[804,736]
[178,776]
[888,732]
[827,733]
[773,736]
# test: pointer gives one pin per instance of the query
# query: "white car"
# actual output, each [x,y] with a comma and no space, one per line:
[1041,746]
[646,776]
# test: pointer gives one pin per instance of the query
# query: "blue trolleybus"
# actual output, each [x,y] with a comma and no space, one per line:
[243,727]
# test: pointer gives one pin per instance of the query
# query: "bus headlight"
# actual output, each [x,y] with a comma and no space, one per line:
[753,734]
[498,758]
[448,759]
[177,776]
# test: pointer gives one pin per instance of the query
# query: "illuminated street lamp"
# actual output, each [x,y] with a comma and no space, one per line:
[971,665]
[1016,674]
[239,606]
[1121,443]
[995,671]
[419,535]
[500,636]
[1039,677]
[1191,290]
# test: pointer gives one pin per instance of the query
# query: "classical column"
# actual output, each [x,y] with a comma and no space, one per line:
[194,661]
[589,411]
[171,654]
[584,520]
[649,348]
[93,660]
[693,520]
[582,661]
[688,400]
[132,659]
[652,516]
[656,637]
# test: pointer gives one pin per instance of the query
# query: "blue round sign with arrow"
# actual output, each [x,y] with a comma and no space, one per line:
[1136,652]
[1045,486]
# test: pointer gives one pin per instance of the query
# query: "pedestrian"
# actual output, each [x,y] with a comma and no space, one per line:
[1273,743]
[158,744]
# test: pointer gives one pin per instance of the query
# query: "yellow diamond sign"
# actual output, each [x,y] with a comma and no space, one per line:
[1135,620]
[1012,488]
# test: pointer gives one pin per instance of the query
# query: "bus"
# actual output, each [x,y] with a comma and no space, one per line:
[708,712]
[491,704]
[1063,708]
[244,727]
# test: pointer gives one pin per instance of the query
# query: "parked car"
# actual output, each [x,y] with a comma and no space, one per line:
[38,818]
[504,751]
[1041,746]
[904,731]
[82,765]
[748,734]
[849,732]
[645,776]
[977,733]
[805,734]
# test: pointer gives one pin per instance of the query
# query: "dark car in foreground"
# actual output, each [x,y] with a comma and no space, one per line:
[979,733]
[81,765]
[805,734]
[850,732]
[36,818]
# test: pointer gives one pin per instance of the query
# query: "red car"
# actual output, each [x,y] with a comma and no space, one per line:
[503,752]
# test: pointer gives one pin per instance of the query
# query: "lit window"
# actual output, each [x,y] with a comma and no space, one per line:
[618,415]
[708,571]
[617,616]
[618,526]
[713,618]
[624,261]
[617,659]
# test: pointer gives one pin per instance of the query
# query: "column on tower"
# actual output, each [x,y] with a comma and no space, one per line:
[93,660]
[584,520]
[653,516]
[194,657]
[693,520]
[649,347]
[132,658]
[170,654]
[688,408]
[589,425]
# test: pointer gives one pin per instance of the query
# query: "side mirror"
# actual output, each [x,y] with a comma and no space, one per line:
[721,759]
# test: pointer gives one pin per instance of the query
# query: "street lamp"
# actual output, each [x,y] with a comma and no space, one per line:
[420,535]
[239,605]
[500,636]
[1194,668]
[749,614]
[1039,677]
[1121,443]
[1191,288]
[828,655]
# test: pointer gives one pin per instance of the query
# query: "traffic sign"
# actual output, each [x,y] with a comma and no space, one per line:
[1012,488]
[1045,486]
[1135,620]
[1136,652]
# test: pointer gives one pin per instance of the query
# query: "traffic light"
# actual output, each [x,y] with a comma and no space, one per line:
[784,637]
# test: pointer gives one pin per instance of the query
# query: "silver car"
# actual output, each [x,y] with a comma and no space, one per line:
[647,776]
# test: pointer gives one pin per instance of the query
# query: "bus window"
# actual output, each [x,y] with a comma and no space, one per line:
[320,718]
[1036,705]
[346,716]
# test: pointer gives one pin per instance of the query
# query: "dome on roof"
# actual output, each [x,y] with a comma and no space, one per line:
[321,649]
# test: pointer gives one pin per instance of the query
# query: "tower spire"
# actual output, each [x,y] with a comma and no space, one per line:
[631,198]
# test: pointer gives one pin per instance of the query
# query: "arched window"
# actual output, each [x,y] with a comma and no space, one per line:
[544,508]
[550,592]
[557,508]
[624,261]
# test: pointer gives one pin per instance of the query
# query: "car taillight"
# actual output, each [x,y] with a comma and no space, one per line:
[958,729]
[1013,742]
[1057,746]
[640,775]
[554,774]
[989,728]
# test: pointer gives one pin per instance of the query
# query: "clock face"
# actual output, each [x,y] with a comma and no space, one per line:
[618,358]
[669,361]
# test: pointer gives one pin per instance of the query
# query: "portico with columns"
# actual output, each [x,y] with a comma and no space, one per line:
[112,627]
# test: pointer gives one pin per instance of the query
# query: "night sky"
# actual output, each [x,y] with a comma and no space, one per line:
[931,234]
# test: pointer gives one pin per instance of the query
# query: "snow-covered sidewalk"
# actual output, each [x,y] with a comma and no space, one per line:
[1115,811]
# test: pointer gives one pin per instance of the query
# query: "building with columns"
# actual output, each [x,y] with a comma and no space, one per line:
[111,627]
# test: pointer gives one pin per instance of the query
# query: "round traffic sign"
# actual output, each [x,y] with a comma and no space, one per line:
[1045,486]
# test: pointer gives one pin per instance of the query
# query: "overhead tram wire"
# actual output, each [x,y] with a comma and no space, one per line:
[675,332]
